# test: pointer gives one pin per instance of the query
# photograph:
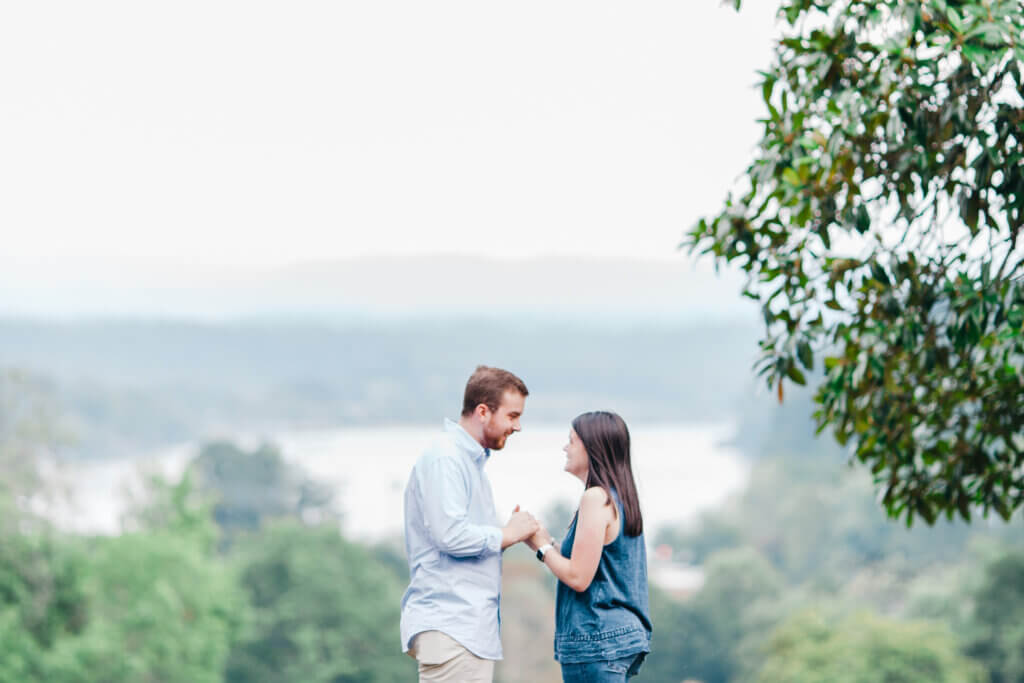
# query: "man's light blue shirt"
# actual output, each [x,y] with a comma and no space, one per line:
[453,544]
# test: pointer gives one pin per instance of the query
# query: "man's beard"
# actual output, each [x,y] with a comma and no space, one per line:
[494,441]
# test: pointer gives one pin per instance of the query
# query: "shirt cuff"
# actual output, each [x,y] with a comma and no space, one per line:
[494,540]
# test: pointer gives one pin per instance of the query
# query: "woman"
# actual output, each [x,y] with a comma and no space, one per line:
[602,619]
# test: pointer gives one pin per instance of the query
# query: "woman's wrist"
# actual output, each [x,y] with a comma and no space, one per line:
[545,549]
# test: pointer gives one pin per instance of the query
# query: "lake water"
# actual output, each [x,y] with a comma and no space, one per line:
[680,470]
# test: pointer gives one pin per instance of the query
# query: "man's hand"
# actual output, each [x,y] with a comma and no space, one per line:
[541,537]
[521,526]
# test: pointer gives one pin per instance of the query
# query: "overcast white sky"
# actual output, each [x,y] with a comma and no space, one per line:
[140,136]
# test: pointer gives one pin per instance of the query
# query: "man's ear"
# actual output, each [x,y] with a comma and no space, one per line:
[482,411]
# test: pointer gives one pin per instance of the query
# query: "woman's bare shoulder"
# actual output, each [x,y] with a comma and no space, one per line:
[595,496]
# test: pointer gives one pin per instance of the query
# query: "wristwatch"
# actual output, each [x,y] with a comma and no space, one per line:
[543,549]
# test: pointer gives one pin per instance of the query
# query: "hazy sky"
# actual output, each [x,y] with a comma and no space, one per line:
[140,136]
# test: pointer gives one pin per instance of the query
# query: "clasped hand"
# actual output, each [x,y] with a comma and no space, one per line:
[525,527]
[541,537]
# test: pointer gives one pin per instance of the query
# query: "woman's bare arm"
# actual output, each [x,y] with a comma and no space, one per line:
[595,515]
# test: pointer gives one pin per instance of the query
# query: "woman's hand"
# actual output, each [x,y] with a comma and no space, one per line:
[540,538]
[521,526]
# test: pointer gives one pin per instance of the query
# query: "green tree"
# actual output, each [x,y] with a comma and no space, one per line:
[879,225]
[248,487]
[705,637]
[154,604]
[42,591]
[863,648]
[684,646]
[42,601]
[818,523]
[28,431]
[323,610]
[160,609]
[715,530]
[997,626]
[161,605]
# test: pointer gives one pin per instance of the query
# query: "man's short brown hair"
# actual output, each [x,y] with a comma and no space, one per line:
[488,386]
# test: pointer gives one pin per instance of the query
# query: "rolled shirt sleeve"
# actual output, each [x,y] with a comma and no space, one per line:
[446,511]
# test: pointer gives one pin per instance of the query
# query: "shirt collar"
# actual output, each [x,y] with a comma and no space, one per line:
[467,443]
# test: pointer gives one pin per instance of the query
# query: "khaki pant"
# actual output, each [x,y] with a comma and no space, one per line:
[443,660]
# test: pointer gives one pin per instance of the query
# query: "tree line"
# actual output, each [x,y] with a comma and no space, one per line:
[238,572]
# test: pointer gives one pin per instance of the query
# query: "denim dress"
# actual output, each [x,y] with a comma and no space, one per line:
[611,619]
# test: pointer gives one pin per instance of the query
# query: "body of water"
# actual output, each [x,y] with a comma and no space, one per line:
[680,470]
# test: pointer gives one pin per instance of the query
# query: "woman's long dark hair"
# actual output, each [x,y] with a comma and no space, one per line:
[606,440]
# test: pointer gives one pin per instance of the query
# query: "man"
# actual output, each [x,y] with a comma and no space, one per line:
[454,541]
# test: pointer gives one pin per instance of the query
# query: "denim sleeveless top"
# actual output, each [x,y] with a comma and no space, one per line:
[611,619]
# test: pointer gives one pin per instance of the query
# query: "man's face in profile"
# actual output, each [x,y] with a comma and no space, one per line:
[503,422]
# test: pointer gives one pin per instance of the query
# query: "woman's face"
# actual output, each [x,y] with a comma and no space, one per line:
[576,461]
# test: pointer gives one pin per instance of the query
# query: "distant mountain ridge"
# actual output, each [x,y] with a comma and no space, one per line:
[131,383]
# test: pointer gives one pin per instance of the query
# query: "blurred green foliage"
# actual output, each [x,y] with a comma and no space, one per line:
[322,610]
[168,601]
[248,488]
[879,227]
[29,430]
[42,601]
[864,647]
[153,604]
[803,560]
[703,638]
[996,632]
[805,579]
